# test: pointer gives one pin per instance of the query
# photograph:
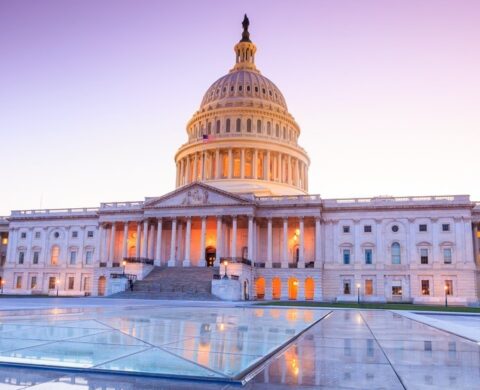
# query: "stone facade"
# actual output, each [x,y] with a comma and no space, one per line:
[241,197]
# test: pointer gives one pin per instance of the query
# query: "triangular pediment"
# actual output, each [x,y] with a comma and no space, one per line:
[197,195]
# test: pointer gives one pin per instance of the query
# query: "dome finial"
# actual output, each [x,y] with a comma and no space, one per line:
[245,33]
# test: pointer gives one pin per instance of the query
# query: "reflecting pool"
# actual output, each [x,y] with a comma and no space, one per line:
[220,343]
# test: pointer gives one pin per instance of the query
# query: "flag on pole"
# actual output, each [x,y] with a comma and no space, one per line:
[207,137]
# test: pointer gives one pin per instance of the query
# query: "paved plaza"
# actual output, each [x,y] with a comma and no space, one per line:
[227,346]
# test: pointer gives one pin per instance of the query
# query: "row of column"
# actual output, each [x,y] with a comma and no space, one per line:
[149,245]
[263,165]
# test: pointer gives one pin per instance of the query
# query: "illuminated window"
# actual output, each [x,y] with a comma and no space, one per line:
[425,287]
[51,282]
[368,287]
[449,287]
[346,287]
[54,255]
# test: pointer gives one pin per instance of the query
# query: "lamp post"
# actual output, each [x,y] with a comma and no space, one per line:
[57,282]
[358,293]
[225,263]
[446,295]
[124,264]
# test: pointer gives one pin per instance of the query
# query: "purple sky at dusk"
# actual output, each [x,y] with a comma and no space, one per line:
[95,95]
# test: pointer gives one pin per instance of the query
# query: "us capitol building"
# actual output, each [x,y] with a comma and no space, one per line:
[241,203]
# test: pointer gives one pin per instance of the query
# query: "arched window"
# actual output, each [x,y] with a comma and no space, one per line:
[284,133]
[239,125]
[396,257]
[277,130]
[260,288]
[249,125]
[209,127]
[292,289]
[309,289]
[269,128]
[218,127]
[276,288]
[259,126]
[55,255]
[227,126]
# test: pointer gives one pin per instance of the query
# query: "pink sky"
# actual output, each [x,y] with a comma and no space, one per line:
[95,95]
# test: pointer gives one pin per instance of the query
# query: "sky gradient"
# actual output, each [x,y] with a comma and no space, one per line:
[95,95]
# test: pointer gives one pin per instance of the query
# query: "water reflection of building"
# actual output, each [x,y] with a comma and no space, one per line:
[242,183]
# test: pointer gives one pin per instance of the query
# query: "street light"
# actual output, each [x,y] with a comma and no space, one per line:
[225,263]
[446,295]
[358,293]
[124,264]
[57,282]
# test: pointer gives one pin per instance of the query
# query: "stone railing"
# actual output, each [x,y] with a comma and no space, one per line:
[392,201]
[238,260]
[120,205]
[141,260]
[289,199]
[55,212]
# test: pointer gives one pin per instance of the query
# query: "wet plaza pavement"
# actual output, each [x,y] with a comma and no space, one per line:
[346,349]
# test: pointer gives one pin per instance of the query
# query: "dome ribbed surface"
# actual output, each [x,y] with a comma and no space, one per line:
[243,84]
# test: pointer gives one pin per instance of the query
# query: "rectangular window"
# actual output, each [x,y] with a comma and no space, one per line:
[88,257]
[36,256]
[424,256]
[346,256]
[445,227]
[51,282]
[369,287]
[37,235]
[346,229]
[449,287]
[425,287]
[18,283]
[447,255]
[367,228]
[90,234]
[23,235]
[33,283]
[397,290]
[73,257]
[21,257]
[422,227]
[74,234]
[346,287]
[368,256]
[71,282]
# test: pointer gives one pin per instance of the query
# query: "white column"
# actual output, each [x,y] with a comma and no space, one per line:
[202,166]
[475,243]
[138,243]
[250,239]
[267,175]
[151,242]
[219,241]
[301,254]
[188,178]
[230,163]
[202,242]
[285,244]
[195,167]
[269,243]
[186,261]
[125,241]
[28,255]
[435,241]
[412,258]
[255,164]
[233,249]
[318,243]
[217,164]
[468,241]
[145,239]
[299,173]
[173,242]
[242,163]
[158,247]
[289,170]
[356,242]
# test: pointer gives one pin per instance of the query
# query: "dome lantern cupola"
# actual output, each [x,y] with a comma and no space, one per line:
[242,139]
[245,50]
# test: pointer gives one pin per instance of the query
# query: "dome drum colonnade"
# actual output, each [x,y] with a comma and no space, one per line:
[243,139]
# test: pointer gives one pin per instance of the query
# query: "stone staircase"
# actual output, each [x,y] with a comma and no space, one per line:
[185,283]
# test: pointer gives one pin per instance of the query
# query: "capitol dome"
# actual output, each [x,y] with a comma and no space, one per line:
[242,139]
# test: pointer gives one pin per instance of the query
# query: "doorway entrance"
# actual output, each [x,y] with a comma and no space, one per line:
[210,255]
